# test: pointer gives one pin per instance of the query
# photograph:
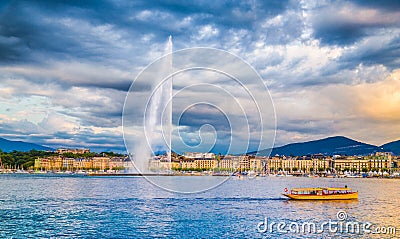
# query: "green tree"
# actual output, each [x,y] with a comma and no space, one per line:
[7,160]
[118,168]
[272,169]
[364,170]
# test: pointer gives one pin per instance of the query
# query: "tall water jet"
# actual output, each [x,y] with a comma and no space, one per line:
[158,117]
[216,109]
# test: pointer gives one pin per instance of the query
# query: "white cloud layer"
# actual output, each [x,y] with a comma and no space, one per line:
[332,66]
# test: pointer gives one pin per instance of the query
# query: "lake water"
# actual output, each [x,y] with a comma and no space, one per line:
[42,206]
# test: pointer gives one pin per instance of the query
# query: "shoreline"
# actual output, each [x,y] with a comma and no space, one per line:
[237,176]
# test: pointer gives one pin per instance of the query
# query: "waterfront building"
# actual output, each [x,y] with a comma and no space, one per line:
[304,164]
[68,163]
[377,162]
[101,163]
[49,163]
[388,155]
[206,163]
[160,163]
[229,162]
[194,160]
[318,163]
[128,164]
[38,163]
[396,162]
[56,163]
[79,163]
[116,162]
[88,163]
[244,163]
[41,163]
[187,163]
[98,163]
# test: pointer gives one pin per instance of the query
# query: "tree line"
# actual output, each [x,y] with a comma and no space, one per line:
[25,160]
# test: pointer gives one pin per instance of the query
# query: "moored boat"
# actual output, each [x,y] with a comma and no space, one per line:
[321,193]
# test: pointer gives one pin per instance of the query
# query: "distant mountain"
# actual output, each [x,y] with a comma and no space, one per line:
[393,147]
[327,146]
[8,146]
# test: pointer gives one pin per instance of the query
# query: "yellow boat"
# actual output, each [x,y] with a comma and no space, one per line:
[321,194]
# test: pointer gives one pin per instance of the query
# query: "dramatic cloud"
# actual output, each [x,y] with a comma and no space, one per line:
[346,22]
[331,66]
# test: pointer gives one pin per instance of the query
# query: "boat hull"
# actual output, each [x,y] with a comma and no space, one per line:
[347,196]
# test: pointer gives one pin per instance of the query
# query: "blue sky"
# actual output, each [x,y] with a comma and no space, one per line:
[332,67]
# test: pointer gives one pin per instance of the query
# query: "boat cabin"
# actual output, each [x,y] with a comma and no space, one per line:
[319,191]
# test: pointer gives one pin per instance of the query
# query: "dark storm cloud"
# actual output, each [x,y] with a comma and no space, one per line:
[98,142]
[11,49]
[38,33]
[387,5]
[344,23]
[29,132]
[29,35]
[106,111]
[103,118]
[202,114]
[29,32]
[121,85]
[338,33]
[355,42]
[18,128]
[306,126]
[35,32]
[229,14]
[85,138]
[66,79]
[385,52]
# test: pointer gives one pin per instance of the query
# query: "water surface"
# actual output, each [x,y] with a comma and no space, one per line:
[36,206]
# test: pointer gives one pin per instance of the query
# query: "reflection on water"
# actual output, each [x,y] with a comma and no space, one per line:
[82,207]
[188,184]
